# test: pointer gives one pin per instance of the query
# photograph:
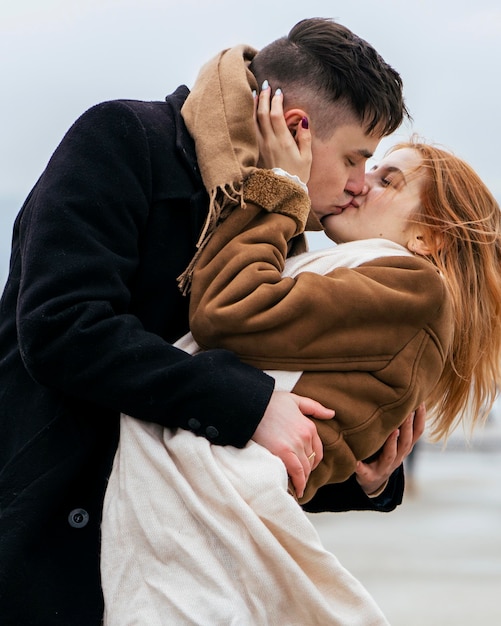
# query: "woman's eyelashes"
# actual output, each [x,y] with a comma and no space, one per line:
[392,179]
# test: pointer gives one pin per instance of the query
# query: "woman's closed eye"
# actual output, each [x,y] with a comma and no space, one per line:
[392,179]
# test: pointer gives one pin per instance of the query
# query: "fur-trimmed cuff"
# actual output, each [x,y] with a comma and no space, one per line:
[278,194]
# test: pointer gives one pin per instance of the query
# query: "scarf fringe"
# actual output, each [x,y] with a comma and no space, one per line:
[222,200]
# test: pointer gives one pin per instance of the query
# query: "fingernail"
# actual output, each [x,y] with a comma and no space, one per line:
[265,85]
[254,93]
[304,122]
[278,92]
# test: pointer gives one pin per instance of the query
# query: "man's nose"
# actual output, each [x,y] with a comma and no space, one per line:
[363,190]
[357,184]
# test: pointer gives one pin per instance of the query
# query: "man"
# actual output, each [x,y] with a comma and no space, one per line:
[92,306]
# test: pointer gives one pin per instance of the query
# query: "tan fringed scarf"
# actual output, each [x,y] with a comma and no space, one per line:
[219,116]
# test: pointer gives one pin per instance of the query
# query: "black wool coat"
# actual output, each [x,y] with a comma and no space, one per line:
[87,318]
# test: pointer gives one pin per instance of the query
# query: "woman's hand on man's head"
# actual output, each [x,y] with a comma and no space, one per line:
[284,140]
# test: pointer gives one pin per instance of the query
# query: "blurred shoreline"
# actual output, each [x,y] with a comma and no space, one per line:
[435,560]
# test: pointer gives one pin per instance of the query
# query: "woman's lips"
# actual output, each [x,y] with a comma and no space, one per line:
[339,209]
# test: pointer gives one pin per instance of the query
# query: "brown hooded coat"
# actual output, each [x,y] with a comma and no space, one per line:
[371,341]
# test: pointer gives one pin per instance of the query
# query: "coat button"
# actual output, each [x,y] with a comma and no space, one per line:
[211,432]
[193,424]
[78,518]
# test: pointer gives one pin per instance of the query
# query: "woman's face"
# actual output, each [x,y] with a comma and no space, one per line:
[391,196]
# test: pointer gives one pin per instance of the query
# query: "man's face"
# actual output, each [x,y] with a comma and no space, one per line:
[338,168]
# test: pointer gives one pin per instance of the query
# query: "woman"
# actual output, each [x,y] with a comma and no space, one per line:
[426,326]
[224,529]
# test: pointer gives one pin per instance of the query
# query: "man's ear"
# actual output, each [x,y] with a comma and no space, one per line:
[293,118]
[425,245]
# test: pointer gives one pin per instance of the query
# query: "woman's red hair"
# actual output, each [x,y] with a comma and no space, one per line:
[462,223]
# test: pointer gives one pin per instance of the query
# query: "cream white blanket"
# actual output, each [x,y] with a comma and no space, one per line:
[199,534]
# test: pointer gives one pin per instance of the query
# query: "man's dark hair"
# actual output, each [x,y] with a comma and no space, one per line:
[322,62]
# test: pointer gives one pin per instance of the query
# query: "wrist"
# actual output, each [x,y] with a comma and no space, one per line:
[377,492]
[280,172]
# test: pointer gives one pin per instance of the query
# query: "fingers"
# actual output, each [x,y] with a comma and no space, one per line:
[312,408]
[371,476]
[406,435]
[256,100]
[284,139]
[396,448]
[389,454]
[298,474]
[276,116]
[270,115]
[263,109]
[308,448]
[271,122]
[362,470]
[410,431]
[270,110]
[419,422]
[311,440]
[299,461]
[368,477]
[317,449]
[286,431]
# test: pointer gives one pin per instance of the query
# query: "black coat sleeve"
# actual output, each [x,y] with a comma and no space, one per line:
[349,496]
[81,235]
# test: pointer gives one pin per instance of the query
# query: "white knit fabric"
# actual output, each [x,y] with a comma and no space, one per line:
[195,533]
[351,254]
[200,534]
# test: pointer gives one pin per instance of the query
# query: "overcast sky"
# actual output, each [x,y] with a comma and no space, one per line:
[59,57]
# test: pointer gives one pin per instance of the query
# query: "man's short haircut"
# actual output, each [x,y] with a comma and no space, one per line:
[322,63]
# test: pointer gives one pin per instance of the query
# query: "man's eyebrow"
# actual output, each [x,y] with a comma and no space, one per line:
[366,154]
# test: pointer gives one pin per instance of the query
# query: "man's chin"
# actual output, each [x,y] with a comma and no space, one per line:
[334,213]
